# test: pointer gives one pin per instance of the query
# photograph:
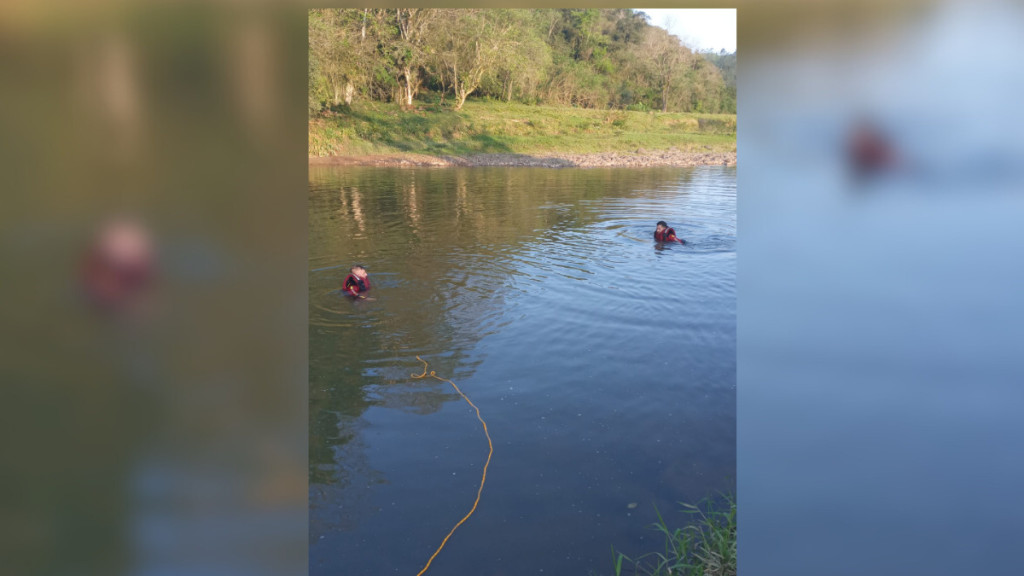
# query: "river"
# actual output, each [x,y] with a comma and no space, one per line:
[602,362]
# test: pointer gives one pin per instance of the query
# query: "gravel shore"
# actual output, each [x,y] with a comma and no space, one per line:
[639,158]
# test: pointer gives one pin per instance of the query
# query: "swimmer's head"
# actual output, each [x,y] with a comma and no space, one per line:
[662,225]
[358,270]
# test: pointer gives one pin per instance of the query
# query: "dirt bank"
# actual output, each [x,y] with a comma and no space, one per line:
[639,158]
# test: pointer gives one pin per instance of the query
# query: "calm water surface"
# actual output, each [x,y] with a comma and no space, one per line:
[603,363]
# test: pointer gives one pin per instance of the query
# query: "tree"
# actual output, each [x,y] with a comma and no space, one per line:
[705,85]
[629,26]
[316,85]
[409,52]
[344,55]
[667,60]
[726,64]
[470,44]
[574,57]
[579,30]
[525,59]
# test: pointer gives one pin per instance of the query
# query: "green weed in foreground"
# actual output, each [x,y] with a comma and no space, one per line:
[705,548]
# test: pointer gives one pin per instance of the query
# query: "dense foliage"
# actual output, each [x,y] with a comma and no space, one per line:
[589,58]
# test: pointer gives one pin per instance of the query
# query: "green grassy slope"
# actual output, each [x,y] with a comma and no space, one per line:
[496,127]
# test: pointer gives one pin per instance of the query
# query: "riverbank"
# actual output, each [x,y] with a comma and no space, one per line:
[640,158]
[487,133]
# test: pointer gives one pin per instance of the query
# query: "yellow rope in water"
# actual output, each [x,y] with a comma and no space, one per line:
[486,464]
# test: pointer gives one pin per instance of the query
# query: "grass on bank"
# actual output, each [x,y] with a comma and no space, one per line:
[705,548]
[489,127]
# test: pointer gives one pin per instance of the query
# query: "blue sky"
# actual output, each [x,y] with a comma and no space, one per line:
[713,28]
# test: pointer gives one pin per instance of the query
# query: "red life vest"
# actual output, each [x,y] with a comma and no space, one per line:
[353,281]
[667,235]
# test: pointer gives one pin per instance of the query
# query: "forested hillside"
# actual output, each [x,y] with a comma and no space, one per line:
[585,58]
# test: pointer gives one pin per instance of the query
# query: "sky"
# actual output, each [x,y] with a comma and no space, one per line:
[698,28]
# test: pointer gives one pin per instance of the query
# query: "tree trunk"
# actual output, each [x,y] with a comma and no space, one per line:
[407,96]
[456,90]
[349,91]
[462,93]
[469,87]
[460,98]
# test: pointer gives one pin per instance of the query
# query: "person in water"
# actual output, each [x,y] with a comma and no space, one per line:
[665,234]
[869,151]
[356,282]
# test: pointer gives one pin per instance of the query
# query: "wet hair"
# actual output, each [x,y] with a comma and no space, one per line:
[357,267]
[662,223]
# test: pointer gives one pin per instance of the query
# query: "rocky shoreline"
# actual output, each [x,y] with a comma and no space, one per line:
[639,159]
